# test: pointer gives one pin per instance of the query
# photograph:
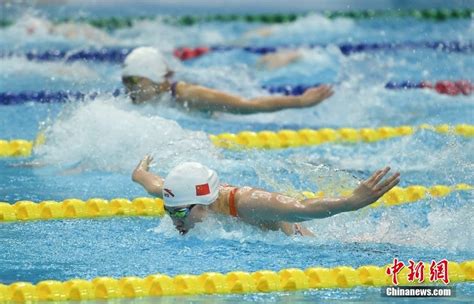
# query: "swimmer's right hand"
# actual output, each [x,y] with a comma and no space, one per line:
[316,95]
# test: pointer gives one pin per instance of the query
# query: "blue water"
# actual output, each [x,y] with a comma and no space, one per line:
[93,146]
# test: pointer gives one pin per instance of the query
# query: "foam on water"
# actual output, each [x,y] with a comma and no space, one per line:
[419,152]
[439,227]
[311,28]
[445,227]
[109,134]
[166,37]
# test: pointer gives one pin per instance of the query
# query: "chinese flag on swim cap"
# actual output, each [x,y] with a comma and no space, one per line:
[202,189]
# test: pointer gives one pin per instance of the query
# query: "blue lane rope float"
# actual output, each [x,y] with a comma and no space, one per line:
[44,96]
[113,55]
[117,55]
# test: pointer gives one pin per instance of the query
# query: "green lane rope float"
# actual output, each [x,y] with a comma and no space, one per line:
[283,138]
[144,206]
[211,283]
[113,23]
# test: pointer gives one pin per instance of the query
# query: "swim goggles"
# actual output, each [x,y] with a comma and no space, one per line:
[180,213]
[133,80]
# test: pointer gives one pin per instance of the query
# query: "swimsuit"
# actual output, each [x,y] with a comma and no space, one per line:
[232,208]
[173,89]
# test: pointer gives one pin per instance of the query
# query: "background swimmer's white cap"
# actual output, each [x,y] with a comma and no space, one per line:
[190,183]
[146,62]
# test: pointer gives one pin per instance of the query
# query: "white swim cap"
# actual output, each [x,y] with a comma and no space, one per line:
[146,62]
[190,183]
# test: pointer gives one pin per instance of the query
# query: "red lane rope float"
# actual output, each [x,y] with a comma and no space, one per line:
[446,87]
[190,53]
[454,88]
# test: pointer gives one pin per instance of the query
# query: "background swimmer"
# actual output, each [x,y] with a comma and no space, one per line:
[191,191]
[69,30]
[146,75]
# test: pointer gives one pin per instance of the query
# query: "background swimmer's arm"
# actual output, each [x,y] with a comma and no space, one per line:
[265,206]
[258,33]
[212,100]
[152,183]
[279,59]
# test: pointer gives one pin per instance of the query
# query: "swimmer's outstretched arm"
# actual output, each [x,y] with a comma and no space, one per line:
[253,204]
[279,59]
[212,100]
[152,183]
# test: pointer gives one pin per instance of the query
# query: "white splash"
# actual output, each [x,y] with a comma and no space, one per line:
[109,134]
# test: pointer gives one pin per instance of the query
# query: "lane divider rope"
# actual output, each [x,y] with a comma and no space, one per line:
[117,55]
[45,96]
[310,137]
[143,206]
[113,23]
[281,139]
[75,208]
[186,53]
[447,87]
[210,283]
[399,195]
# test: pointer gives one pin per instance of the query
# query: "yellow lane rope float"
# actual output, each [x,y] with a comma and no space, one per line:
[145,206]
[15,148]
[310,137]
[280,139]
[75,208]
[157,285]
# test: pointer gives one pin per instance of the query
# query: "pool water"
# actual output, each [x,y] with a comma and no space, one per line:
[93,146]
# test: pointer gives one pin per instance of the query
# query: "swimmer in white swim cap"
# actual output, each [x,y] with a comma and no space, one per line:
[146,75]
[192,191]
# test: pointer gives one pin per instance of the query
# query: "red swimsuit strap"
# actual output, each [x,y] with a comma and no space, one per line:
[232,208]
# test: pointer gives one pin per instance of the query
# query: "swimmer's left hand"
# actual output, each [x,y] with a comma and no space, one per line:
[143,166]
[316,95]
[370,190]
[145,162]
